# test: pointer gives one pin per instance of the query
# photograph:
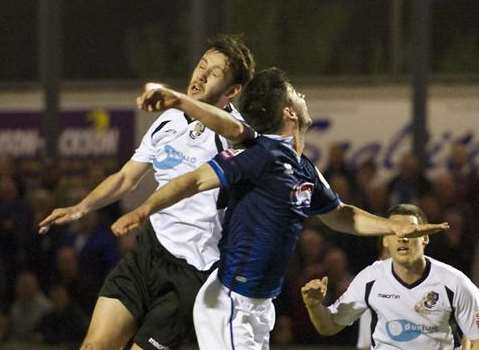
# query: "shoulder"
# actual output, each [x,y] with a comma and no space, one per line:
[375,270]
[452,277]
[172,115]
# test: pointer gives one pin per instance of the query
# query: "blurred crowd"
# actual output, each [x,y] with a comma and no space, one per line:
[49,284]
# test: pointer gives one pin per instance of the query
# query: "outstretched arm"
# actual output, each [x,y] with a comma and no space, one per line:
[108,191]
[350,219]
[157,98]
[181,187]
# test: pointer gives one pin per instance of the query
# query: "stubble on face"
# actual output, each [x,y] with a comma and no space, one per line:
[211,78]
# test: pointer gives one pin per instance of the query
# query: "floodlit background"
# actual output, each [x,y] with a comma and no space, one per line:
[393,87]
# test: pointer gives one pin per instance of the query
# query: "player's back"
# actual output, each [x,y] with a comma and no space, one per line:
[271,192]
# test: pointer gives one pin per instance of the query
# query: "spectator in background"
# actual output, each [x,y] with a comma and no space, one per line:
[450,247]
[29,306]
[43,252]
[409,184]
[15,221]
[337,165]
[67,273]
[464,174]
[65,324]
[95,246]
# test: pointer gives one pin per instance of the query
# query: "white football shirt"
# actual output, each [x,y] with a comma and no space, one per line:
[430,314]
[174,145]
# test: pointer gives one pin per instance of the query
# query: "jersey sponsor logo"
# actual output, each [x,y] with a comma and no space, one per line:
[157,345]
[172,158]
[389,296]
[427,302]
[230,153]
[301,194]
[404,330]
[476,316]
[198,129]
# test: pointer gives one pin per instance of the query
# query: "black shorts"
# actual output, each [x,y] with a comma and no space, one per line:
[159,290]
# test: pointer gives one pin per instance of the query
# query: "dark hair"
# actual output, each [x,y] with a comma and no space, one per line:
[408,209]
[263,99]
[239,56]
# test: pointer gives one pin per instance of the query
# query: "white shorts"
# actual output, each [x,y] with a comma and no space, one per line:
[225,320]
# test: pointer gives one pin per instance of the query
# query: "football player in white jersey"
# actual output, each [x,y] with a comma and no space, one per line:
[416,302]
[149,296]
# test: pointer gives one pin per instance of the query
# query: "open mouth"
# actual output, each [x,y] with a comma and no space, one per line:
[403,250]
[195,89]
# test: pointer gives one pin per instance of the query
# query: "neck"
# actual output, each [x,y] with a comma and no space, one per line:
[298,138]
[410,272]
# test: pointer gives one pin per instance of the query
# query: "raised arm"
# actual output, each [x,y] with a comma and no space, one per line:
[108,191]
[350,219]
[157,98]
[313,294]
[181,187]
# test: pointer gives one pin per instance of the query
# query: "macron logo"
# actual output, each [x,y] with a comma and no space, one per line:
[389,296]
[157,345]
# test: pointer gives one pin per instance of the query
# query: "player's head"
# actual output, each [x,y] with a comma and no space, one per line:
[269,102]
[224,68]
[406,251]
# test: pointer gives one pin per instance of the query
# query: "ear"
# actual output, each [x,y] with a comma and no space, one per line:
[233,91]
[290,113]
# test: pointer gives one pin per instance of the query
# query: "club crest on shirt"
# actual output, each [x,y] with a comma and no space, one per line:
[198,129]
[301,194]
[427,302]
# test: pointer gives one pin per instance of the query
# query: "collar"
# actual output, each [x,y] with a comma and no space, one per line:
[285,140]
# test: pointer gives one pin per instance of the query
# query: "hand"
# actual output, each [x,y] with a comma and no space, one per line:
[60,216]
[129,222]
[401,229]
[314,291]
[157,97]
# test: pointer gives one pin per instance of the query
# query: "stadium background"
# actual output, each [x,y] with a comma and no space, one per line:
[352,59]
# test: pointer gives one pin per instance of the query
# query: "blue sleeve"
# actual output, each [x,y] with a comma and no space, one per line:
[324,199]
[232,166]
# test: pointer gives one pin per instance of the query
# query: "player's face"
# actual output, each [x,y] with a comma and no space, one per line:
[405,251]
[298,102]
[211,79]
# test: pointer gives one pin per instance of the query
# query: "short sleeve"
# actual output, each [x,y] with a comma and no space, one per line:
[324,199]
[160,133]
[466,305]
[235,165]
[349,306]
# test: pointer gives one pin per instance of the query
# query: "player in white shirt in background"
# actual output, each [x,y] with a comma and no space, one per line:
[149,295]
[416,302]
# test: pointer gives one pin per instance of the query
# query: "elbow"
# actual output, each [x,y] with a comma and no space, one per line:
[236,132]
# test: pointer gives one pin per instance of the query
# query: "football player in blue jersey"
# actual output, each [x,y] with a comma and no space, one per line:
[272,189]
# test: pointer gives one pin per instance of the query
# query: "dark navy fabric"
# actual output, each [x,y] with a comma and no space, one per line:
[271,193]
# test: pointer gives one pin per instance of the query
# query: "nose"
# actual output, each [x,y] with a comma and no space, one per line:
[403,239]
[203,77]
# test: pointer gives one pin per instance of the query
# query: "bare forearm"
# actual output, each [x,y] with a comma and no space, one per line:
[350,219]
[215,119]
[181,187]
[108,191]
[322,320]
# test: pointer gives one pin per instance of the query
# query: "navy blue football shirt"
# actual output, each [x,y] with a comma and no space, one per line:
[271,192]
